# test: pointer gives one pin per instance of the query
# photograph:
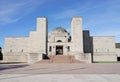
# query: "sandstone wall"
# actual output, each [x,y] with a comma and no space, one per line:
[22,49]
[103,45]
[104,49]
[16,44]
[104,58]
[15,57]
[86,58]
[118,52]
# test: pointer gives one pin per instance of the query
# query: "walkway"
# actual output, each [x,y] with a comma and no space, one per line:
[77,68]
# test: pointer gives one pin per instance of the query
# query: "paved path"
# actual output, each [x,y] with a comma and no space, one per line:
[96,72]
[95,68]
[59,78]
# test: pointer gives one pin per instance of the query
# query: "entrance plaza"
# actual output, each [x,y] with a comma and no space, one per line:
[61,68]
[95,72]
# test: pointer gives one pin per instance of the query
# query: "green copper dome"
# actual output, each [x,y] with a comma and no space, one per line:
[60,29]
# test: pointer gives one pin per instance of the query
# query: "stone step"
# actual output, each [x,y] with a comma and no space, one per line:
[60,59]
[44,61]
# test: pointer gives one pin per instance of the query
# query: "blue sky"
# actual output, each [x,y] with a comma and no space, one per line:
[18,17]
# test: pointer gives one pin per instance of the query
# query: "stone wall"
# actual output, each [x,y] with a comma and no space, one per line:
[86,58]
[104,49]
[118,52]
[34,57]
[18,49]
[15,57]
[16,44]
[105,58]
[21,57]
[103,45]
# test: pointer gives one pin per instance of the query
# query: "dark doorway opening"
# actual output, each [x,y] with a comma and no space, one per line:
[1,55]
[118,58]
[59,50]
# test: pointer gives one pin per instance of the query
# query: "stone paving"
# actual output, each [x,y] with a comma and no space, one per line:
[96,72]
[59,78]
[81,68]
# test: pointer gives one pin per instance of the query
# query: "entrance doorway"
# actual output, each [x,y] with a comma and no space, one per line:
[59,50]
[118,58]
[1,55]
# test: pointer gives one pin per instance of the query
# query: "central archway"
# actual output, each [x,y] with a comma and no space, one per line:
[59,50]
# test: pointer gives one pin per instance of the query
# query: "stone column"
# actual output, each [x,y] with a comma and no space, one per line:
[38,38]
[77,34]
[42,34]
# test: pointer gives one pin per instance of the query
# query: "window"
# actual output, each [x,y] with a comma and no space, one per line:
[22,50]
[10,50]
[50,48]
[68,48]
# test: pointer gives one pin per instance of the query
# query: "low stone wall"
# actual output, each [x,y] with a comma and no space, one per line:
[34,57]
[104,58]
[85,57]
[21,57]
[15,57]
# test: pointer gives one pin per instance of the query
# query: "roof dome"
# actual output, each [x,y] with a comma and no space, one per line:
[60,29]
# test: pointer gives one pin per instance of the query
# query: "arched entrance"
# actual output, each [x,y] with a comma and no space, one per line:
[59,50]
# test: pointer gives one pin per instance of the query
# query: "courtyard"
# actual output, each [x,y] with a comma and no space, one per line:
[81,72]
[61,68]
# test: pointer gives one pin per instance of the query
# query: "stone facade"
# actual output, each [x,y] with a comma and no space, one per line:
[104,49]
[79,44]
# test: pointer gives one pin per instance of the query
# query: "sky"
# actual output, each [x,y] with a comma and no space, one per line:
[18,17]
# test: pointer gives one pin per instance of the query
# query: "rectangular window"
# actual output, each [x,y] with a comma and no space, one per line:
[50,48]
[68,48]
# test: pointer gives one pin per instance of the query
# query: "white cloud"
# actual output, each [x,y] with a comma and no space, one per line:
[69,12]
[13,11]
[108,7]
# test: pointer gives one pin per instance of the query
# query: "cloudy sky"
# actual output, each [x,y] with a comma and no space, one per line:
[18,17]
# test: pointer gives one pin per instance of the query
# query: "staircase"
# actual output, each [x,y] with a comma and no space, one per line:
[60,59]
